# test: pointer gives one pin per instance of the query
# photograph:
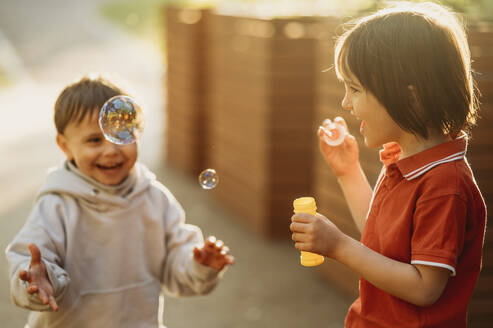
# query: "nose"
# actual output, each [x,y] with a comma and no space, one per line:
[110,149]
[346,102]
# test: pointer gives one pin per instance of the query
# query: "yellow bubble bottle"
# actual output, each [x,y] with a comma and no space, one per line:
[307,205]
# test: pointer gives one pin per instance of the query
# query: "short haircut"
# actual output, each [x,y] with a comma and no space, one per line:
[81,98]
[414,58]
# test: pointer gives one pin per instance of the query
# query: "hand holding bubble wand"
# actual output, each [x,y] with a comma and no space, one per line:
[338,147]
[307,205]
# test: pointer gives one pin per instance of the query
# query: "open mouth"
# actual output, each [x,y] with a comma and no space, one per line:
[109,166]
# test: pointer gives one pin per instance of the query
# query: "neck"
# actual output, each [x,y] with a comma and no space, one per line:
[411,144]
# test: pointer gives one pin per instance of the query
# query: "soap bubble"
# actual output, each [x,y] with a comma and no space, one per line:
[334,133]
[121,119]
[208,179]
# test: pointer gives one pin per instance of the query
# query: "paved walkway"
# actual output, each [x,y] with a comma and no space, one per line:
[46,44]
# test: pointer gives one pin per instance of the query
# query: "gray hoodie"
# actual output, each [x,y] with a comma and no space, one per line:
[108,251]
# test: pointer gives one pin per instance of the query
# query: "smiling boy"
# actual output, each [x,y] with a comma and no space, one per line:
[104,236]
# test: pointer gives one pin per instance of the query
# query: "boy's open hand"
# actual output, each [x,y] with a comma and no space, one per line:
[37,277]
[213,254]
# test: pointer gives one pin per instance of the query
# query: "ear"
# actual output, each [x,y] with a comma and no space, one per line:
[62,143]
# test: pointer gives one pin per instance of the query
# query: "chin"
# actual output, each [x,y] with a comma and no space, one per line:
[370,144]
[110,181]
[114,182]
[373,143]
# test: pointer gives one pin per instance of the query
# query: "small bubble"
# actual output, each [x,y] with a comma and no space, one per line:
[208,179]
[121,119]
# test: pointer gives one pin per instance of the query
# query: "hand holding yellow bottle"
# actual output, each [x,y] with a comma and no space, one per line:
[307,205]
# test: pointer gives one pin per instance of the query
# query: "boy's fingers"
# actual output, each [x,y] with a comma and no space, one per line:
[219,243]
[52,302]
[230,259]
[32,289]
[42,296]
[298,227]
[322,131]
[225,250]
[24,275]
[299,237]
[302,217]
[35,253]
[326,123]
[210,243]
[197,253]
[209,247]
[341,121]
[351,139]
[320,216]
[300,246]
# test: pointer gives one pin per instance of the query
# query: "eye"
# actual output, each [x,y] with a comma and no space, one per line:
[94,140]
[353,89]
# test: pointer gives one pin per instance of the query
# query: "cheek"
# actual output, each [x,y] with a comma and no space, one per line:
[357,101]
[130,152]
[85,158]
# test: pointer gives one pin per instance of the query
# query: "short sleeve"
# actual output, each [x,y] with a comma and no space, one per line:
[438,232]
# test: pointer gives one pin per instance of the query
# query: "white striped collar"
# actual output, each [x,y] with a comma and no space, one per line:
[414,166]
[416,173]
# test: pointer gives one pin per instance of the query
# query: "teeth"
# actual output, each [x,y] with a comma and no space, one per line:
[109,166]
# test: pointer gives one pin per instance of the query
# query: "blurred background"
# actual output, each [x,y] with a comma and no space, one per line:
[238,86]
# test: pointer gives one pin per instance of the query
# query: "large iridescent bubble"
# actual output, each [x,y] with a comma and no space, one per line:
[121,119]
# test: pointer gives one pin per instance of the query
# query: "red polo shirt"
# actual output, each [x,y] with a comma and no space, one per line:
[426,209]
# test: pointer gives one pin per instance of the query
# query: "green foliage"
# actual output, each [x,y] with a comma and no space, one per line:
[142,17]
[145,18]
[480,10]
[474,9]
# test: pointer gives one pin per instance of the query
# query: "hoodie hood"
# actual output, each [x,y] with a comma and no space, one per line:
[68,180]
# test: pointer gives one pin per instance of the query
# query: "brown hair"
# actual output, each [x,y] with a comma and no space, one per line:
[81,98]
[414,58]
